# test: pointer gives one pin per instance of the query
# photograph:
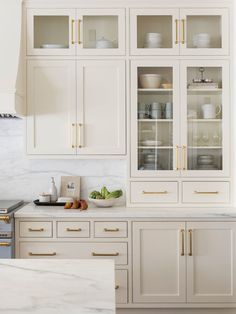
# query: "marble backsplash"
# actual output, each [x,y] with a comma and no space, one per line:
[24,178]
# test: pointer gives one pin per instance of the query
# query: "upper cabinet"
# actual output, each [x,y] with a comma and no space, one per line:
[71,32]
[179,31]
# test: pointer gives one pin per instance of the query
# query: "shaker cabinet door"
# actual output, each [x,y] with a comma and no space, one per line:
[101,107]
[51,107]
[211,262]
[159,262]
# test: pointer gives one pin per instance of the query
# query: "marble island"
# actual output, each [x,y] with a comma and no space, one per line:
[33,211]
[44,286]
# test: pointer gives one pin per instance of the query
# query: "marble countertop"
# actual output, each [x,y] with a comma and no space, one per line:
[33,211]
[44,286]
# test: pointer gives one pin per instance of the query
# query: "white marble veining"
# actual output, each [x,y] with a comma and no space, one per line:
[33,211]
[24,178]
[46,286]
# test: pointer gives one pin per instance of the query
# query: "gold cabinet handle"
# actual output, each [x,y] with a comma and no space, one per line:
[184,157]
[206,193]
[190,242]
[183,29]
[154,192]
[105,254]
[73,230]
[182,240]
[42,254]
[177,158]
[5,244]
[36,230]
[111,230]
[176,31]
[73,136]
[80,135]
[117,287]
[72,32]
[6,219]
[79,32]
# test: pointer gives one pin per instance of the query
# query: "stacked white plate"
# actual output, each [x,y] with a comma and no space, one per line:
[153,40]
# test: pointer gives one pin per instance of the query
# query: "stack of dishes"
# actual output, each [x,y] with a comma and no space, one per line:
[201,40]
[151,162]
[153,40]
[206,162]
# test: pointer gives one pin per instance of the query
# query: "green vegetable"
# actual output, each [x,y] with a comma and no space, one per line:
[94,194]
[104,192]
[99,197]
[115,194]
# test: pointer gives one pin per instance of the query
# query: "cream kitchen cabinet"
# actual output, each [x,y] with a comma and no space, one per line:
[75,31]
[71,110]
[184,31]
[191,262]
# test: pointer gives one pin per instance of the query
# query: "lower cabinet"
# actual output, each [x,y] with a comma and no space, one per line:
[190,262]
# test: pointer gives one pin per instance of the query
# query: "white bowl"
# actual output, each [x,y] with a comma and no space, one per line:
[152,35]
[103,203]
[150,80]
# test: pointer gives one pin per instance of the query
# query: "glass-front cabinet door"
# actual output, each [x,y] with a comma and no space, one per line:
[154,118]
[204,32]
[154,31]
[205,110]
[101,31]
[51,31]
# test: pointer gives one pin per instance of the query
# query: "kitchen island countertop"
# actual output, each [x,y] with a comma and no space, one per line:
[45,286]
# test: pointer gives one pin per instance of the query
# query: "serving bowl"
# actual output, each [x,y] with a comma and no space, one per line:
[103,202]
[150,80]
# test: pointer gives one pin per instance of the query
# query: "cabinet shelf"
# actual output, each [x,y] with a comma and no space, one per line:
[154,90]
[203,90]
[155,120]
[205,147]
[204,120]
[155,147]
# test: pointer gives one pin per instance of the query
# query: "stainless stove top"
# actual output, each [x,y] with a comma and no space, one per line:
[8,206]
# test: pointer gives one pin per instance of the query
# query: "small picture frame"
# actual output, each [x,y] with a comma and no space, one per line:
[70,186]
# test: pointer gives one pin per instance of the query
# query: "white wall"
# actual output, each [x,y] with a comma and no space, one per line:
[22,178]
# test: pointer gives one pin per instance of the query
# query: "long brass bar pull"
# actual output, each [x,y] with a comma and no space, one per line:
[184,157]
[36,230]
[206,193]
[105,254]
[72,32]
[6,219]
[73,230]
[73,145]
[182,242]
[190,242]
[177,158]
[176,31]
[155,192]
[111,230]
[80,135]
[42,254]
[183,30]
[79,32]
[5,244]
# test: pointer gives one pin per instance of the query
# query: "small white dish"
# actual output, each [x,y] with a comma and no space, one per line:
[44,198]
[103,202]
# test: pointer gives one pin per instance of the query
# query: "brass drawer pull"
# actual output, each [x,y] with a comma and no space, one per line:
[6,219]
[183,25]
[177,158]
[176,32]
[73,230]
[190,242]
[105,254]
[73,136]
[184,157]
[72,32]
[36,230]
[155,193]
[80,135]
[79,32]
[111,230]
[5,244]
[117,287]
[42,254]
[182,248]
[206,193]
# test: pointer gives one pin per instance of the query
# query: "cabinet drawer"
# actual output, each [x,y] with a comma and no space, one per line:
[110,229]
[154,192]
[36,229]
[73,229]
[206,192]
[121,280]
[116,251]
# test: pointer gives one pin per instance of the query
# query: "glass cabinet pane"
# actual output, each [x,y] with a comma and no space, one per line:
[100,32]
[204,31]
[51,32]
[204,113]
[155,118]
[154,31]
